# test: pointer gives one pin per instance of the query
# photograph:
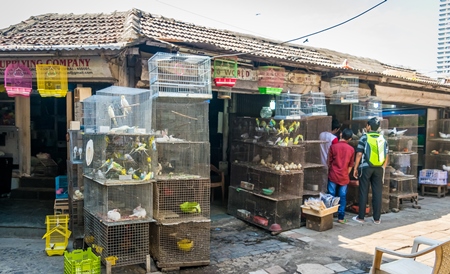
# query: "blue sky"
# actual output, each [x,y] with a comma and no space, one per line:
[398,32]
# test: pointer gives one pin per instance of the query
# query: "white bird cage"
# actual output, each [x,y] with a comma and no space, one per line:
[182,118]
[288,106]
[120,158]
[367,108]
[76,149]
[125,199]
[95,114]
[345,90]
[178,75]
[131,107]
[313,104]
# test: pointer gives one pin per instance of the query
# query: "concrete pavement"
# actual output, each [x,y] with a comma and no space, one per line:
[237,247]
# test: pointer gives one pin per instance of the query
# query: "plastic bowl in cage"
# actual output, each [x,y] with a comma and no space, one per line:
[185,244]
[190,207]
[267,191]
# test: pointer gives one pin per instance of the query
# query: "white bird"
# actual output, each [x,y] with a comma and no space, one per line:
[446,168]
[443,135]
[139,212]
[125,105]
[75,149]
[80,152]
[395,132]
[112,115]
[114,214]
[100,175]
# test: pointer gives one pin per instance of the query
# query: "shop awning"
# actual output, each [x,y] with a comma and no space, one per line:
[414,97]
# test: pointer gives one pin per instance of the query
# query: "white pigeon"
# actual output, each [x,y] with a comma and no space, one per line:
[125,105]
[114,214]
[112,115]
[443,135]
[139,212]
[446,168]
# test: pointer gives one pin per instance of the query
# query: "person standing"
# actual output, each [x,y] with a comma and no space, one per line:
[370,164]
[340,162]
[330,138]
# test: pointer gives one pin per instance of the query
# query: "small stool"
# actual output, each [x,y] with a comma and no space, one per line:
[61,206]
[435,190]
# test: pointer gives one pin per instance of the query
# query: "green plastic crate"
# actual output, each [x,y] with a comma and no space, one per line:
[270,90]
[81,262]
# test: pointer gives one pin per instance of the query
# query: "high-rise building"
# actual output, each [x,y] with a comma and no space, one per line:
[443,52]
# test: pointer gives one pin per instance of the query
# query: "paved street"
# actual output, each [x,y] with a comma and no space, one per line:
[237,247]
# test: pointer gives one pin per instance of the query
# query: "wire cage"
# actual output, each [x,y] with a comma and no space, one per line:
[96,117]
[399,186]
[18,80]
[315,178]
[179,200]
[183,160]
[181,119]
[120,157]
[76,146]
[270,80]
[52,80]
[403,143]
[225,71]
[288,106]
[179,75]
[241,151]
[281,154]
[120,244]
[130,107]
[180,244]
[367,108]
[117,203]
[406,162]
[403,120]
[313,103]
[75,180]
[264,211]
[345,90]
[264,181]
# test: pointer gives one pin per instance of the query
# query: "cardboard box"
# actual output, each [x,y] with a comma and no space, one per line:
[82,93]
[75,125]
[319,223]
[320,213]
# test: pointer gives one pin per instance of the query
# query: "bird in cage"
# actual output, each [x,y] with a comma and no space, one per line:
[114,214]
[124,105]
[297,138]
[140,148]
[112,115]
[445,168]
[139,212]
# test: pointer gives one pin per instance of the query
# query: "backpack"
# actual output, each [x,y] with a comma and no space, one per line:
[375,150]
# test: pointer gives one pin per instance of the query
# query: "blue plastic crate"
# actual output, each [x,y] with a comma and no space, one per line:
[61,187]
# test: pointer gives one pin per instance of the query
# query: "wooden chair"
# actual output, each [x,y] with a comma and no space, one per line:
[217,180]
[408,265]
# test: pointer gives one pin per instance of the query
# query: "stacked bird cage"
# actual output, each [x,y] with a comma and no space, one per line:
[368,107]
[270,80]
[313,104]
[345,90]
[287,106]
[179,75]
[182,188]
[98,114]
[130,108]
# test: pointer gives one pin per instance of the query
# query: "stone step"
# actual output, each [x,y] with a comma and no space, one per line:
[37,182]
[38,193]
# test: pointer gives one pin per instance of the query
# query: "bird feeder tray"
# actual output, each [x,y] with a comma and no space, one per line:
[270,90]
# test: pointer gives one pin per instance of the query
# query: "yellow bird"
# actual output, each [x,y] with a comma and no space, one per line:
[123,171]
[297,125]
[148,176]
[257,122]
[291,127]
[297,138]
[135,177]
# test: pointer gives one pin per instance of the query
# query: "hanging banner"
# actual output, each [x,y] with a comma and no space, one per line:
[77,67]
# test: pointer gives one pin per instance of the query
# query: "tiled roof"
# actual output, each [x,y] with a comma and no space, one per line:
[119,29]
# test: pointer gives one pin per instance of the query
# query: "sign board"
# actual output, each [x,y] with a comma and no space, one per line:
[77,67]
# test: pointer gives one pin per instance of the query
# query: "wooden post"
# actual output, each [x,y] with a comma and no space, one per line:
[69,117]
[23,123]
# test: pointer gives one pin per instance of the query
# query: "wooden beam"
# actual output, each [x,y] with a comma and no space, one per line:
[23,123]
[414,97]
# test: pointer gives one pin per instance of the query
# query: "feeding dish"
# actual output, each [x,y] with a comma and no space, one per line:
[190,207]
[185,244]
[267,191]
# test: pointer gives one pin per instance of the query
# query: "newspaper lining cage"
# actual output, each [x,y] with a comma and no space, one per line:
[119,157]
[130,107]
[367,108]
[120,244]
[179,75]
[182,160]
[180,244]
[18,80]
[116,202]
[181,200]
[345,90]
[313,103]
[76,146]
[270,80]
[181,119]
[287,106]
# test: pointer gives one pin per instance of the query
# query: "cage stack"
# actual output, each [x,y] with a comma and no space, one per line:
[119,167]
[275,163]
[313,104]
[367,107]
[181,85]
[403,158]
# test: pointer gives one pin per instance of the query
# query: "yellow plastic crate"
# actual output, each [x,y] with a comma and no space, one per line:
[52,80]
[81,262]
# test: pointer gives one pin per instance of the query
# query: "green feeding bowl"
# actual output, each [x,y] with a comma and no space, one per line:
[190,207]
[267,191]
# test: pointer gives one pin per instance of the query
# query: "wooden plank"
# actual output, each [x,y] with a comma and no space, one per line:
[23,123]
[415,97]
[69,117]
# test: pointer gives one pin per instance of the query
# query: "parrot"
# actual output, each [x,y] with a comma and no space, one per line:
[151,142]
[297,125]
[291,127]
[148,176]
[125,105]
[272,123]
[297,138]
[112,115]
[139,212]
[107,139]
[263,123]
[285,142]
[257,122]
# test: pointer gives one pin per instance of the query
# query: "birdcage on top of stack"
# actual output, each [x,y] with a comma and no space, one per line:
[96,114]
[345,90]
[130,107]
[270,80]
[18,80]
[313,104]
[368,107]
[288,106]
[180,75]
